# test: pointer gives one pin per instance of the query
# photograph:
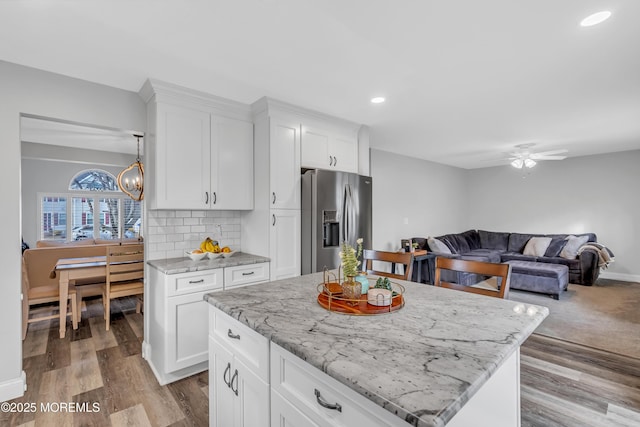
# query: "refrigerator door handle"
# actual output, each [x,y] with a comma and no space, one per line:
[345,214]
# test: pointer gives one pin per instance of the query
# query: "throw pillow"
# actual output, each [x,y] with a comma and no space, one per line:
[557,244]
[438,246]
[570,250]
[537,246]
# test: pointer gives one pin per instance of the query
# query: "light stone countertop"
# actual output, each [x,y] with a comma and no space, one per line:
[422,362]
[185,265]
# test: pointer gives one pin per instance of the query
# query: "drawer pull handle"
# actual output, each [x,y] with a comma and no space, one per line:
[274,198]
[224,376]
[235,377]
[249,273]
[196,281]
[325,404]
[230,334]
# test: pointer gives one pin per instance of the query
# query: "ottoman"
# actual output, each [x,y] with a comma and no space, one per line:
[541,277]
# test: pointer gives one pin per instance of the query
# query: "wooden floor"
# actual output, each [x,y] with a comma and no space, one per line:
[563,384]
[93,366]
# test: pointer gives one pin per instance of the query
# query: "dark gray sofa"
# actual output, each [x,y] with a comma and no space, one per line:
[491,246]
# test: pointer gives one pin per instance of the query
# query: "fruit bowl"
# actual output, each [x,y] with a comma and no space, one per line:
[213,255]
[197,256]
[228,254]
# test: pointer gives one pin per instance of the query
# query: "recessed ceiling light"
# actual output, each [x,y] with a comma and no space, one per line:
[377,100]
[595,19]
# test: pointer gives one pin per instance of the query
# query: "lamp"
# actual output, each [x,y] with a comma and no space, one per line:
[131,179]
[520,162]
[517,163]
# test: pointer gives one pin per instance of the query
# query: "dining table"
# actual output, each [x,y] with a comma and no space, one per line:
[76,269]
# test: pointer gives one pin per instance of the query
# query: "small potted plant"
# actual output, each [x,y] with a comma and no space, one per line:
[351,289]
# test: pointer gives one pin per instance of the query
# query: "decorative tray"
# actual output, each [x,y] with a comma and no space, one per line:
[331,298]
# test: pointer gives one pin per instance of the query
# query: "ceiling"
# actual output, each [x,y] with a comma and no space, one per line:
[465,80]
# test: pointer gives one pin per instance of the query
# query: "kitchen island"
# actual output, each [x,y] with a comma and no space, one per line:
[446,357]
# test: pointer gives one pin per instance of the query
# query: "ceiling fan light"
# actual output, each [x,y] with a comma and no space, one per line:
[529,163]
[517,163]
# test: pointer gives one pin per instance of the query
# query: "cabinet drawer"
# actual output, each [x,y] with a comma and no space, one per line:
[251,348]
[186,283]
[245,274]
[299,383]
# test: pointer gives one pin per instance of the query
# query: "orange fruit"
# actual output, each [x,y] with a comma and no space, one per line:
[226,249]
[196,251]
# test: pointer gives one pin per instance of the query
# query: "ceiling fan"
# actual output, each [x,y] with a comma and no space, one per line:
[524,157]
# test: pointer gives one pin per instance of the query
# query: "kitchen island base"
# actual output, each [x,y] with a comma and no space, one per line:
[246,390]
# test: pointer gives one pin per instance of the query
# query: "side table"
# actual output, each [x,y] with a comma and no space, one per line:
[418,258]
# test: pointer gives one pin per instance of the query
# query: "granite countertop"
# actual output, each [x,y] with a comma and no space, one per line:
[185,265]
[422,362]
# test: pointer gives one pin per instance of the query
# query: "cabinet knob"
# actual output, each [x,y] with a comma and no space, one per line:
[325,404]
[231,335]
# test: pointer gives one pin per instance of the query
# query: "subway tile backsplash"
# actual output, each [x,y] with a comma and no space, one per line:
[171,233]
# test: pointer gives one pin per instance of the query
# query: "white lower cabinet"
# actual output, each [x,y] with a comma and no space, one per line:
[176,344]
[284,241]
[284,414]
[239,373]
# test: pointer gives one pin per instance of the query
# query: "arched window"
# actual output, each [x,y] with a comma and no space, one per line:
[94,180]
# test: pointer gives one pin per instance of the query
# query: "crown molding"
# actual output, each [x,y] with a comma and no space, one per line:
[269,106]
[159,91]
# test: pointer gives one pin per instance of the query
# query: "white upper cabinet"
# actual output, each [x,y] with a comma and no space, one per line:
[181,166]
[284,171]
[231,164]
[198,150]
[329,149]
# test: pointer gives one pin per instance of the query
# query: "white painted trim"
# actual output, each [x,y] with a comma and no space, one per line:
[13,388]
[171,93]
[620,276]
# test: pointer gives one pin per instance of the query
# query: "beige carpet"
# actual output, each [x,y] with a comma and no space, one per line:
[605,316]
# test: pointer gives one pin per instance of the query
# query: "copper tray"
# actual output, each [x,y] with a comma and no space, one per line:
[333,301]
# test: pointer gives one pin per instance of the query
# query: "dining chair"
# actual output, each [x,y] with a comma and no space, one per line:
[40,295]
[404,258]
[125,275]
[494,277]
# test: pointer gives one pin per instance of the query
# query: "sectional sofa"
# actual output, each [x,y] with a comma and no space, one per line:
[490,246]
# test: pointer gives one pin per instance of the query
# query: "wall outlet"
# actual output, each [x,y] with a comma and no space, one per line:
[219,229]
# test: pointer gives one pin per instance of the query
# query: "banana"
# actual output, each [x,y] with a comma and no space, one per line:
[208,245]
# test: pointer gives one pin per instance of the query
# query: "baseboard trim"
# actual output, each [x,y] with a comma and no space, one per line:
[620,276]
[13,388]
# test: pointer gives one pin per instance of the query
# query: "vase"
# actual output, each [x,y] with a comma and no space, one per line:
[364,282]
[351,290]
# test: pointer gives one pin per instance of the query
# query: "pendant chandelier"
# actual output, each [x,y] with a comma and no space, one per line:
[131,179]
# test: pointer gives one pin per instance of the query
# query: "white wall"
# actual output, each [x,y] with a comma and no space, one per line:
[597,194]
[53,176]
[31,91]
[431,197]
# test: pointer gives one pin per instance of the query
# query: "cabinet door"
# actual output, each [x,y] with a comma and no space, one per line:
[221,398]
[284,414]
[252,400]
[284,243]
[231,164]
[314,147]
[345,153]
[284,164]
[181,158]
[187,331]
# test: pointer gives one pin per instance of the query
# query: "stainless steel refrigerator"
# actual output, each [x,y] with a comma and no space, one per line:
[336,207]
